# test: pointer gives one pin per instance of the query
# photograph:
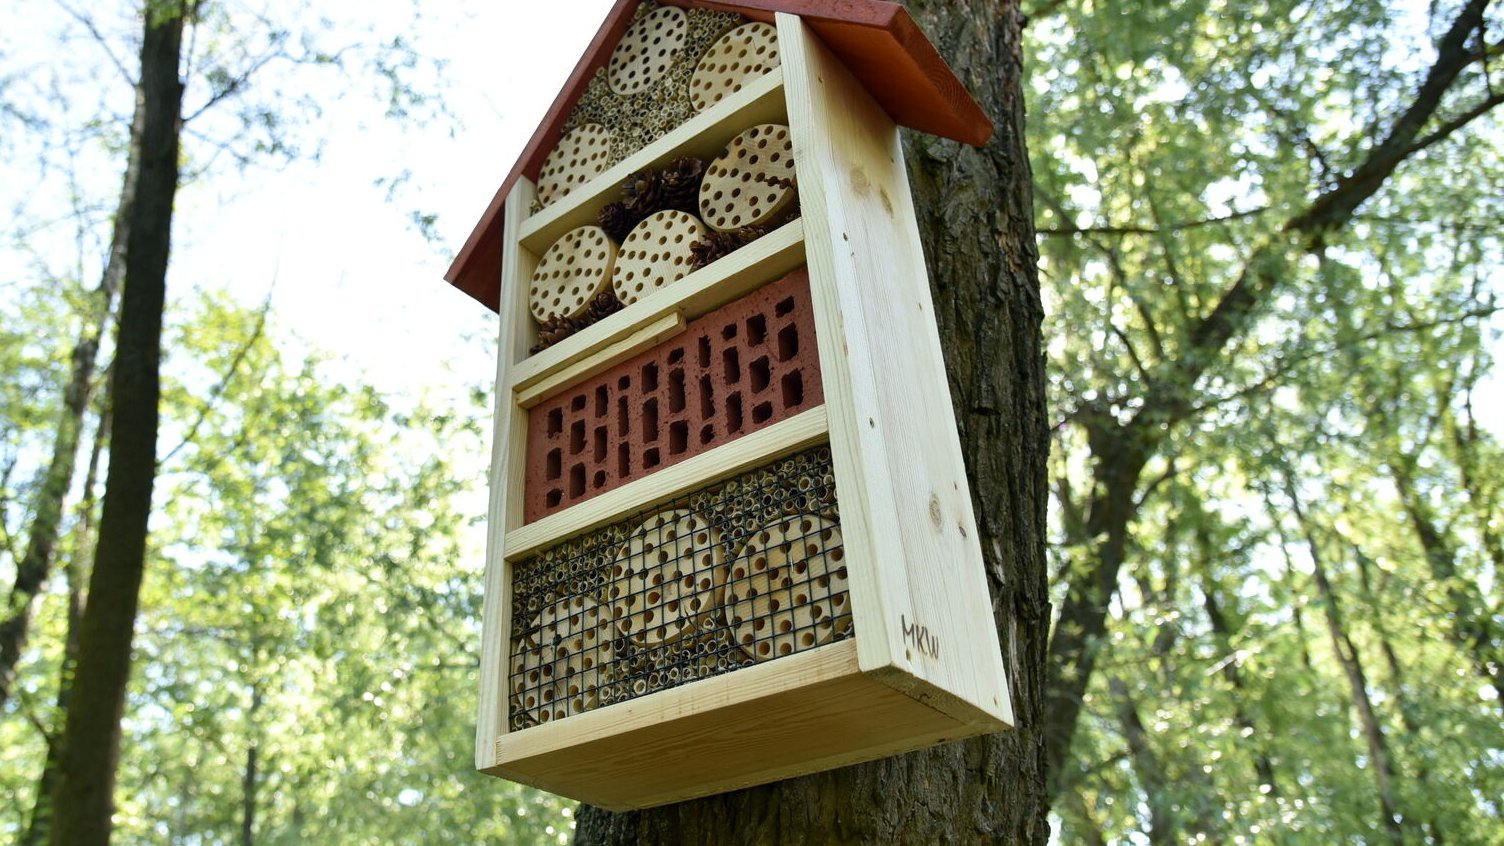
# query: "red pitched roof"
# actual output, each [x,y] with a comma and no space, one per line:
[876,39]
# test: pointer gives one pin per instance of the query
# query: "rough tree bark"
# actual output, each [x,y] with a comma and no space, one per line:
[976,218]
[83,803]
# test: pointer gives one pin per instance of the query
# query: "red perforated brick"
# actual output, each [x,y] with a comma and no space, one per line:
[733,371]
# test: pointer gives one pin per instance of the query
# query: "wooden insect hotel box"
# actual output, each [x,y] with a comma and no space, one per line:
[730,535]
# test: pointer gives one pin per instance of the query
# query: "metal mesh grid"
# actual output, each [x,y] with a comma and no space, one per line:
[746,570]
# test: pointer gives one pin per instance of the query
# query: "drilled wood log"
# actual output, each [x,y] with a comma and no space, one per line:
[735,59]
[582,154]
[655,253]
[645,54]
[559,668]
[667,577]
[752,183]
[573,271]
[787,590]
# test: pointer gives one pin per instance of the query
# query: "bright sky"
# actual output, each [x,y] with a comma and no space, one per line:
[351,275]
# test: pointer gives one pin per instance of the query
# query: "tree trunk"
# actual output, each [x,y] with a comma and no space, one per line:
[36,563]
[976,218]
[1357,680]
[40,823]
[83,804]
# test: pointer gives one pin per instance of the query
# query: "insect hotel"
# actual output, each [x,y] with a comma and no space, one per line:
[730,539]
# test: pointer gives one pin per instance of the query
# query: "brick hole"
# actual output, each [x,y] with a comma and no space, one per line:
[729,332]
[675,356]
[788,342]
[578,403]
[761,374]
[650,458]
[757,329]
[734,414]
[577,437]
[762,412]
[676,391]
[793,389]
[576,481]
[650,377]
[600,438]
[624,383]
[555,421]
[555,464]
[784,306]
[623,460]
[733,366]
[678,437]
[704,351]
[602,400]
[553,498]
[623,416]
[707,434]
[650,421]
[707,398]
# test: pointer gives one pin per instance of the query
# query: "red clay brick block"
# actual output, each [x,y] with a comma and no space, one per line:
[733,371]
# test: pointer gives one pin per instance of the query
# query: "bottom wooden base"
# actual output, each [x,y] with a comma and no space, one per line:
[799,714]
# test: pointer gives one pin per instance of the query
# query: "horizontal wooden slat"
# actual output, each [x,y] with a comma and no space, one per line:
[541,385]
[760,447]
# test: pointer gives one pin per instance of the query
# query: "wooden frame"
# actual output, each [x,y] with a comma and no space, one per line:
[924,663]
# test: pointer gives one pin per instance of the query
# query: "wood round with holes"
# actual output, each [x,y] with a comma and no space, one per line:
[737,58]
[561,666]
[582,154]
[644,54]
[655,253]
[668,578]
[571,273]
[752,183]
[787,588]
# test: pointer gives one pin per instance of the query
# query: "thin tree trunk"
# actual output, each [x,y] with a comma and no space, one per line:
[248,776]
[1223,634]
[1352,668]
[1151,775]
[83,804]
[36,563]
[976,219]
[41,810]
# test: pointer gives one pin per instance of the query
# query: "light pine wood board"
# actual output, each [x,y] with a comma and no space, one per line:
[919,590]
[703,136]
[799,714]
[509,441]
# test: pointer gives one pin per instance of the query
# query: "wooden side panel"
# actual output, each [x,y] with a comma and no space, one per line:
[921,600]
[505,505]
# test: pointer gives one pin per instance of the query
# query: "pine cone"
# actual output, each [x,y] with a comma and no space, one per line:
[616,220]
[556,328]
[604,305]
[681,185]
[643,193]
[717,244]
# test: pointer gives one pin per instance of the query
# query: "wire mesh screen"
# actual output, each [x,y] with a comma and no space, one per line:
[747,570]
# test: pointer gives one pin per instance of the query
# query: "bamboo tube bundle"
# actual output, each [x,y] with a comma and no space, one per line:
[734,60]
[559,668]
[654,254]
[582,154]
[647,50]
[752,182]
[573,271]
[787,590]
[670,571]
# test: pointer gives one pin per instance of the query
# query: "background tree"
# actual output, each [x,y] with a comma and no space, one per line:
[976,221]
